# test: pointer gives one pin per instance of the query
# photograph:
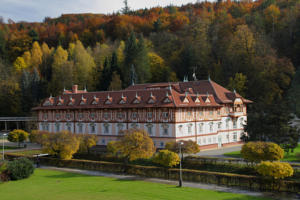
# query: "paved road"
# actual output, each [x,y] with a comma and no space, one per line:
[219,152]
[185,184]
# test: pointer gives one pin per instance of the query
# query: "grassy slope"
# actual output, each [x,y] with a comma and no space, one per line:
[49,185]
[287,157]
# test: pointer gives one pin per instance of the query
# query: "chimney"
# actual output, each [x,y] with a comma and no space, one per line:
[75,89]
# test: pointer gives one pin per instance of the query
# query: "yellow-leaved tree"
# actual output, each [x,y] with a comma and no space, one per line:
[86,142]
[61,144]
[18,136]
[135,144]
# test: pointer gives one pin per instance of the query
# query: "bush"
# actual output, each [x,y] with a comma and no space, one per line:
[17,135]
[261,151]
[274,170]
[61,144]
[166,158]
[20,168]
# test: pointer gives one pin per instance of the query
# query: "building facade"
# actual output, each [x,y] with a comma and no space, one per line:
[202,111]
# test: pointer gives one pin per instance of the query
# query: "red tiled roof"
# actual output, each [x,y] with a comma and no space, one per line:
[195,93]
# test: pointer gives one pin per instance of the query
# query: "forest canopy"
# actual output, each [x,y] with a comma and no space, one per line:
[248,46]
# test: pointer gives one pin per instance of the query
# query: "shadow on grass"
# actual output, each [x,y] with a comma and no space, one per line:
[67,175]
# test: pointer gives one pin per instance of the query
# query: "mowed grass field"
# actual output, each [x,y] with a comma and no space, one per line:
[288,157]
[52,185]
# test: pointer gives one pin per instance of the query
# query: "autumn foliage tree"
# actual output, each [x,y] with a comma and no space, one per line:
[18,136]
[86,142]
[135,144]
[188,147]
[62,144]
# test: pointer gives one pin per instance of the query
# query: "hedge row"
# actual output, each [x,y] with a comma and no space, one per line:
[228,179]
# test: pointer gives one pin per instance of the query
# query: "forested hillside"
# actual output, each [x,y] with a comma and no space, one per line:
[253,47]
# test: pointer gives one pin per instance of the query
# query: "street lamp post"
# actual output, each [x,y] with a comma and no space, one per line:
[4,134]
[180,165]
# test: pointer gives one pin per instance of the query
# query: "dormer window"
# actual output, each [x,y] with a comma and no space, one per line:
[137,99]
[83,100]
[151,99]
[95,100]
[60,101]
[167,100]
[207,100]
[108,100]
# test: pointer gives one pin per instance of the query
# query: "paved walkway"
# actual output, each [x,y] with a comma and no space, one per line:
[185,184]
[219,152]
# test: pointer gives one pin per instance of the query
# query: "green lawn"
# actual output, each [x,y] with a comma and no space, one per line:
[28,152]
[9,147]
[49,185]
[291,157]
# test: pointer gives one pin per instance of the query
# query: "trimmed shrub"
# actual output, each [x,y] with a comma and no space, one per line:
[20,168]
[261,151]
[166,158]
[274,170]
[17,135]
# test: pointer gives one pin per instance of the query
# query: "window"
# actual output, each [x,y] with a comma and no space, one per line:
[204,140]
[120,115]
[218,112]
[210,112]
[105,115]
[93,128]
[134,125]
[103,141]
[69,127]
[241,123]
[234,136]
[80,116]
[180,129]
[45,127]
[211,126]
[201,128]
[45,116]
[219,125]
[201,113]
[234,123]
[57,127]
[227,123]
[165,129]
[149,115]
[162,144]
[165,114]
[92,115]
[57,116]
[190,128]
[199,141]
[68,116]
[189,114]
[106,128]
[80,128]
[120,128]
[209,140]
[134,115]
[149,129]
